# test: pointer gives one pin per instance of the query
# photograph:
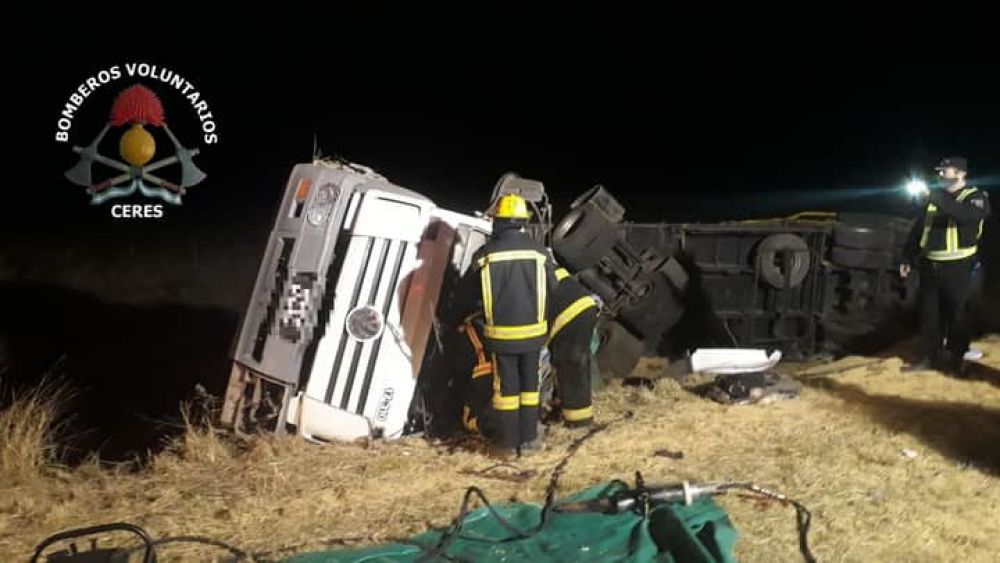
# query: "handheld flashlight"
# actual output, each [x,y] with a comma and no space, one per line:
[916,187]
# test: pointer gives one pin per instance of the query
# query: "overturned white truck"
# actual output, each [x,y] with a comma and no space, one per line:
[345,302]
[344,305]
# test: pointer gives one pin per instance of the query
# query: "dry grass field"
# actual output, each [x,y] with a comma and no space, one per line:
[894,467]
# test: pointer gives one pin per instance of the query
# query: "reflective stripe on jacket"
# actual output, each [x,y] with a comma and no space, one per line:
[947,237]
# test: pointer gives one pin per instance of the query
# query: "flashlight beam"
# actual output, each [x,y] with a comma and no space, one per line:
[916,186]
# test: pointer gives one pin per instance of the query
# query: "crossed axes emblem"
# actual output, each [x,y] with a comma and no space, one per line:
[134,178]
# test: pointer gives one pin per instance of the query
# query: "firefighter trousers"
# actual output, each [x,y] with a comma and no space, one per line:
[515,398]
[570,350]
[945,287]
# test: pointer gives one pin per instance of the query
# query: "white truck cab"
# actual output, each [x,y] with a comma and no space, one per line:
[344,305]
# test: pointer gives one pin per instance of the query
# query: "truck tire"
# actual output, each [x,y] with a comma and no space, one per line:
[656,310]
[845,337]
[883,221]
[583,237]
[863,238]
[619,350]
[862,259]
[865,334]
[898,226]
[595,282]
[603,200]
[769,257]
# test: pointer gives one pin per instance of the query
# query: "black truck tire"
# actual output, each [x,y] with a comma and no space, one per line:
[862,259]
[845,337]
[863,238]
[865,333]
[595,282]
[583,237]
[769,252]
[619,351]
[655,311]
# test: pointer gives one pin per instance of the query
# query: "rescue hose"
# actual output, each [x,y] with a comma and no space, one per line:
[238,553]
[453,533]
[803,517]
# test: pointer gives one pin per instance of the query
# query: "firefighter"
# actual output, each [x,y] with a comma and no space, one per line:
[945,240]
[572,329]
[508,284]
[479,390]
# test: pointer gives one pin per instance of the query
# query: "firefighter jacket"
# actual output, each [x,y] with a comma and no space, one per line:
[509,282]
[569,300]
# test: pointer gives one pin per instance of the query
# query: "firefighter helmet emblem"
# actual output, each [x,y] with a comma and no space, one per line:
[135,109]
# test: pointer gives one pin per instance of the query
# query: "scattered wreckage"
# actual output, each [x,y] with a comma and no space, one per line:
[342,320]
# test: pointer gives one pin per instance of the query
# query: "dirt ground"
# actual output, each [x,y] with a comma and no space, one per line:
[894,467]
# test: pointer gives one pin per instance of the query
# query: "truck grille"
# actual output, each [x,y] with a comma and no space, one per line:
[278,288]
[381,270]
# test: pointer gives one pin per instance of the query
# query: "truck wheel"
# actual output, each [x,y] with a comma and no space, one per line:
[654,310]
[595,282]
[845,335]
[863,259]
[619,351]
[601,198]
[865,334]
[583,237]
[783,260]
[863,238]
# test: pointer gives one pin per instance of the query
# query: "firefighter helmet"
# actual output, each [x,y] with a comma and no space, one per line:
[511,206]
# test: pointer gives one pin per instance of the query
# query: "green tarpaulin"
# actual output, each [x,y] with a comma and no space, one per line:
[700,533]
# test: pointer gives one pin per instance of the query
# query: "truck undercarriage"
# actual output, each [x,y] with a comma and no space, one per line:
[807,284]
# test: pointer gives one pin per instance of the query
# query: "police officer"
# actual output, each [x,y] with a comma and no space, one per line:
[572,329]
[945,238]
[509,283]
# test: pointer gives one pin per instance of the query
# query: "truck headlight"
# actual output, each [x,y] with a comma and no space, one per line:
[364,323]
[323,204]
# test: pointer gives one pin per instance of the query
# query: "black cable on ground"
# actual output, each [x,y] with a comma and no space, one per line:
[235,551]
[453,533]
[803,518]
[550,491]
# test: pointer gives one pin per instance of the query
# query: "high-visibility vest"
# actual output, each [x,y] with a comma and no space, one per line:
[952,249]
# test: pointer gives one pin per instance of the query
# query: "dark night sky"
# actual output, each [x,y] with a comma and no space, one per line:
[685,116]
